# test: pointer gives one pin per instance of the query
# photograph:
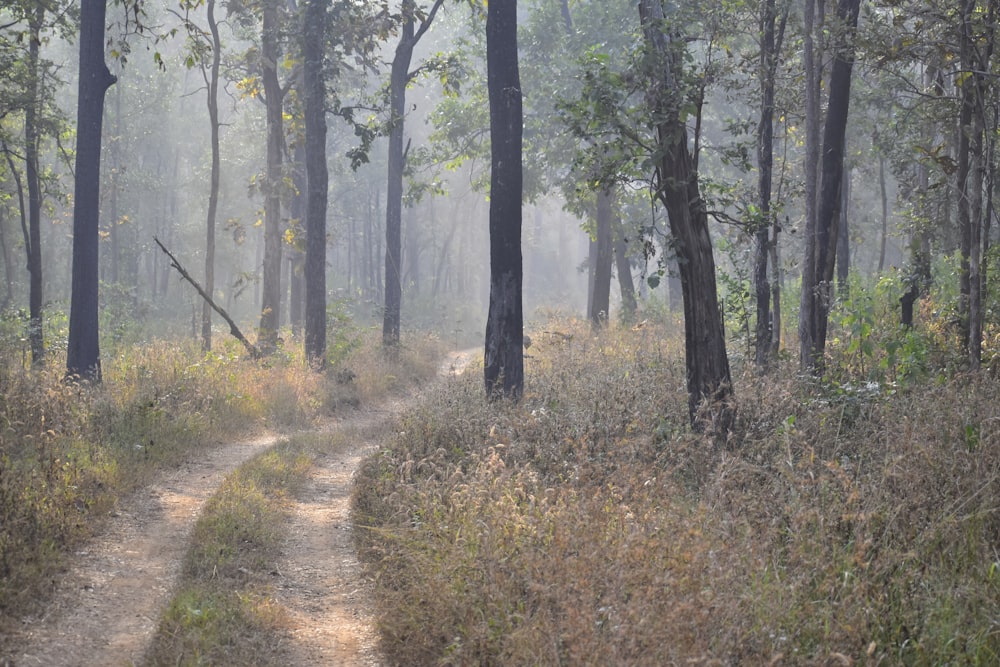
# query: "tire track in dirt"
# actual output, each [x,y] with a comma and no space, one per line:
[107,606]
[322,589]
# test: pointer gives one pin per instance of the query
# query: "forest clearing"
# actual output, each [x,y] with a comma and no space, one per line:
[309,352]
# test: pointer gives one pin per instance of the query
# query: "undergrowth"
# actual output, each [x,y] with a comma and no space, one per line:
[842,523]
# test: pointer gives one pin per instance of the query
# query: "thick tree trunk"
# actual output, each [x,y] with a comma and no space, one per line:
[83,356]
[317,176]
[504,353]
[708,378]
[270,315]
[600,295]
[213,189]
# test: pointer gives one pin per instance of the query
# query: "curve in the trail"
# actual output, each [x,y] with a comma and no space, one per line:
[106,607]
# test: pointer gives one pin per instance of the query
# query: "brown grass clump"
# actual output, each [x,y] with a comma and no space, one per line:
[587,525]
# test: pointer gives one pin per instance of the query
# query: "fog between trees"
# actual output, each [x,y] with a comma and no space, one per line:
[915,187]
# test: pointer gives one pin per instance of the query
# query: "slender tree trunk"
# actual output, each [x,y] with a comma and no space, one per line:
[8,268]
[213,191]
[318,181]
[844,238]
[885,214]
[399,78]
[807,303]
[708,376]
[270,316]
[771,40]
[834,138]
[296,257]
[504,352]
[83,356]
[31,145]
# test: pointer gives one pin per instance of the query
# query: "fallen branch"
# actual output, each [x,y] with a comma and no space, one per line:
[233,329]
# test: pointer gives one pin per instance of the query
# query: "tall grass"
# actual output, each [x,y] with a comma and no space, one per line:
[841,523]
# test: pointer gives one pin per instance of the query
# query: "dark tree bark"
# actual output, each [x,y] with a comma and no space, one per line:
[600,295]
[772,37]
[8,268]
[832,169]
[213,191]
[31,172]
[83,356]
[270,314]
[317,178]
[708,379]
[399,78]
[504,351]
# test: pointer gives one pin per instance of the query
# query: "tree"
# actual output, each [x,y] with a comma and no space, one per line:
[504,353]
[677,188]
[271,296]
[772,37]
[399,78]
[317,179]
[83,357]
[602,257]
[814,317]
[212,83]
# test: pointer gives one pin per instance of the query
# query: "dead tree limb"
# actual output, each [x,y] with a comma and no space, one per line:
[233,329]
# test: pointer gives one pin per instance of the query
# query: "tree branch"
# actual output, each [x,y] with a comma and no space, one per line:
[233,329]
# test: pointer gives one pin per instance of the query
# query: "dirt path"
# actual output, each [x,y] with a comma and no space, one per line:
[108,605]
[320,585]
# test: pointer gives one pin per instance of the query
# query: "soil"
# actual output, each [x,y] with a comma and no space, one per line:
[105,609]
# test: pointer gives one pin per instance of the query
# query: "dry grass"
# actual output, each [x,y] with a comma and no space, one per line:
[587,525]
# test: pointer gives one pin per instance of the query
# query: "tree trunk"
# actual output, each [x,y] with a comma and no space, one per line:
[600,297]
[271,281]
[885,214]
[213,191]
[832,169]
[625,284]
[504,352]
[770,46]
[317,176]
[399,78]
[83,356]
[807,303]
[708,379]
[844,238]
[31,145]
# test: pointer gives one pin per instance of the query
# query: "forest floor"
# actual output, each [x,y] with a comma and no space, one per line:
[107,606]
